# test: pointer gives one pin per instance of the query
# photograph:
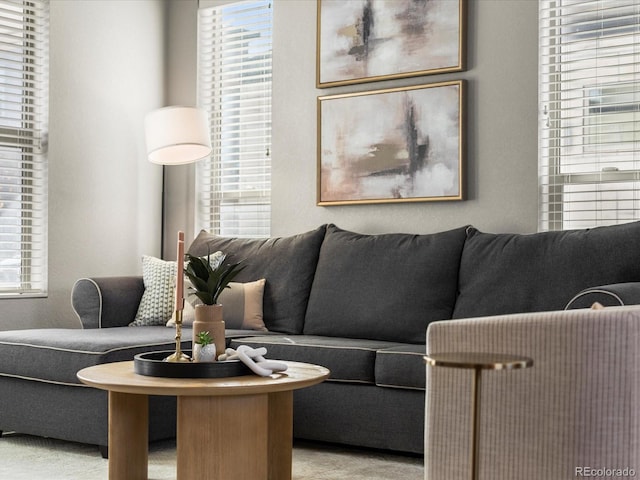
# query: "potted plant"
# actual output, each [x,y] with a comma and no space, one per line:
[204,350]
[207,283]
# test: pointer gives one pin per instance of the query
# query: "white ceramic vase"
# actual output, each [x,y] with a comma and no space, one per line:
[205,353]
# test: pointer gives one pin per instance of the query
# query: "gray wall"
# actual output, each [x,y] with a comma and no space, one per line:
[501,127]
[106,73]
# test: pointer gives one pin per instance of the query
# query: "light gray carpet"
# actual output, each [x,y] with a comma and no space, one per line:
[24,457]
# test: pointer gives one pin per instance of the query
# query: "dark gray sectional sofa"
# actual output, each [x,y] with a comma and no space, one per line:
[357,304]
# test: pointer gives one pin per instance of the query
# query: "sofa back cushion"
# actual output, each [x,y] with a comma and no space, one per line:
[383,287]
[288,264]
[515,273]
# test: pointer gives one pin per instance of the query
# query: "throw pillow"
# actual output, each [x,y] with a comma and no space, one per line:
[157,303]
[242,307]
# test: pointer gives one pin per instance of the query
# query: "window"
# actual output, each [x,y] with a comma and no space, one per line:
[589,165]
[24,57]
[233,187]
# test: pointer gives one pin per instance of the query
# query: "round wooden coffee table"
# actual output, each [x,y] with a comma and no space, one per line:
[234,427]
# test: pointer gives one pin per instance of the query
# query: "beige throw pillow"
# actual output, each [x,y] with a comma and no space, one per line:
[241,306]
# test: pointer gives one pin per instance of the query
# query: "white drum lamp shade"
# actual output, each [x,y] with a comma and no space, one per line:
[177,135]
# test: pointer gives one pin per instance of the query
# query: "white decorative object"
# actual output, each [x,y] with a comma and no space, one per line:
[254,359]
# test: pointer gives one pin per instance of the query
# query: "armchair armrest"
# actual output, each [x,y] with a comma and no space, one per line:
[107,301]
[576,407]
[613,295]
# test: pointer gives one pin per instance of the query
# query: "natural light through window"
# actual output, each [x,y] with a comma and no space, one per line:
[234,86]
[23,133]
[589,165]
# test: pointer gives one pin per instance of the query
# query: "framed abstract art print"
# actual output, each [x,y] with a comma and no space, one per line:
[401,144]
[368,40]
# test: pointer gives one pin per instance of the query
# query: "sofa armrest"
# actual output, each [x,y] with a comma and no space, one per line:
[107,301]
[576,407]
[613,295]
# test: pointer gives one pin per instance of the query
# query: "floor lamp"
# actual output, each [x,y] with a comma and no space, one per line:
[176,136]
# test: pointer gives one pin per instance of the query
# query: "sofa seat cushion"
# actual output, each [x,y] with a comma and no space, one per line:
[401,367]
[513,273]
[287,263]
[383,287]
[55,355]
[349,360]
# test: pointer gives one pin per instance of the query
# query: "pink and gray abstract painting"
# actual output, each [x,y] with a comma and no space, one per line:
[361,39]
[395,144]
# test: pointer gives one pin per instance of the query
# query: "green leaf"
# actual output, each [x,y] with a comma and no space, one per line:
[208,282]
[204,339]
[206,297]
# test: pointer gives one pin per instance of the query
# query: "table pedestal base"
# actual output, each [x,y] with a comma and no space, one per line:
[128,436]
[248,436]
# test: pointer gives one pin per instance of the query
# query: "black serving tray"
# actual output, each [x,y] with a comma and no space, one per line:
[152,364]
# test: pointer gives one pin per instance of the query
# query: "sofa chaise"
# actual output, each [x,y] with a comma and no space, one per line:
[357,304]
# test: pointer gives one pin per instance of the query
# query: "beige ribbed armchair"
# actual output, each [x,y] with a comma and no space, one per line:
[577,410]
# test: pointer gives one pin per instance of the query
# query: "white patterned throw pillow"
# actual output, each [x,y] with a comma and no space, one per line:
[157,303]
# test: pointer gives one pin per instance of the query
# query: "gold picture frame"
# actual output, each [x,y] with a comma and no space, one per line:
[370,40]
[402,144]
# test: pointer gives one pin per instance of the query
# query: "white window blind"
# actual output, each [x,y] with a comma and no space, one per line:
[24,57]
[233,187]
[589,162]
